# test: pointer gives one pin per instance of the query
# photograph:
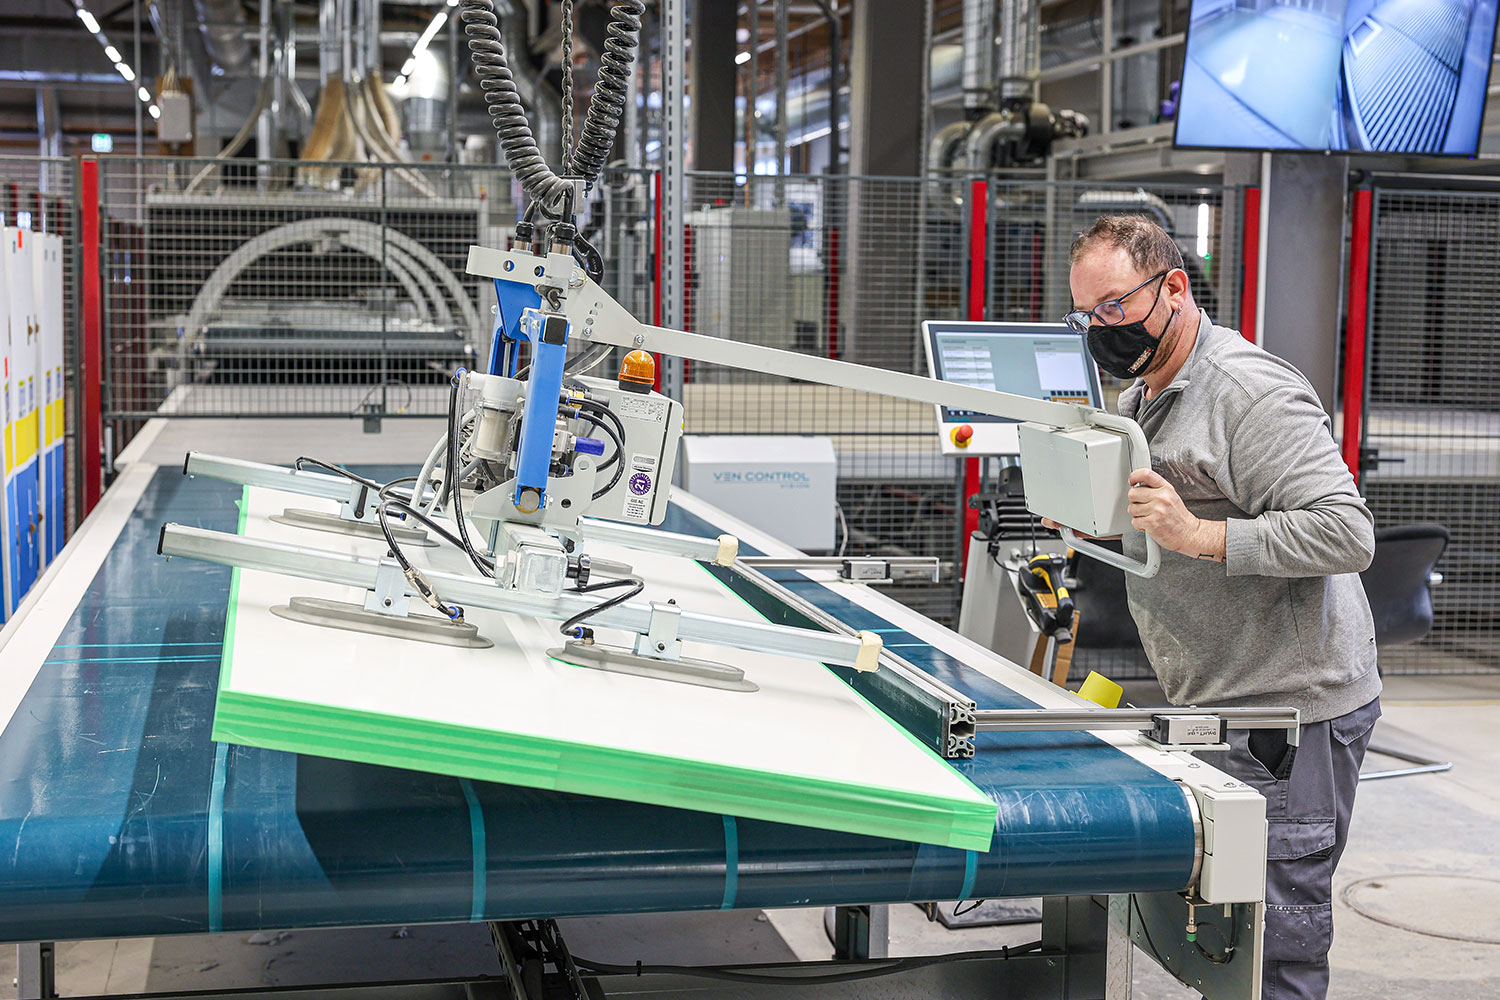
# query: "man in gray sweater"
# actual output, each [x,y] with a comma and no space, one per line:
[1263,533]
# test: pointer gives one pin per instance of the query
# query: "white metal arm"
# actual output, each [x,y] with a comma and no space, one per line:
[599,319]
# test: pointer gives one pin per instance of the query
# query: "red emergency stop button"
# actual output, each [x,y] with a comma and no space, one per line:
[961,435]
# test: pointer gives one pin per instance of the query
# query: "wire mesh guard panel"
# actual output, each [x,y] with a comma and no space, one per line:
[845,268]
[286,289]
[38,193]
[1433,409]
[1032,226]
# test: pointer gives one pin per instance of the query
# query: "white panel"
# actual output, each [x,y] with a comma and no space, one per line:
[47,267]
[8,599]
[803,721]
[784,484]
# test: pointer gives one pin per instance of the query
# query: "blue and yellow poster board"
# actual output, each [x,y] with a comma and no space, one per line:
[21,427]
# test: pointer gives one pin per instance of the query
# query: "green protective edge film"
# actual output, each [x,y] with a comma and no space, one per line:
[535,762]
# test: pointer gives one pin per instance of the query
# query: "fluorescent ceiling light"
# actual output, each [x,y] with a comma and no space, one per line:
[408,66]
[742,58]
[145,94]
[88,21]
[155,111]
[126,72]
[432,29]
[113,53]
[1203,219]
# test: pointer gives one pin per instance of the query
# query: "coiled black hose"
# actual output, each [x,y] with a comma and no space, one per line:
[482,26]
[607,108]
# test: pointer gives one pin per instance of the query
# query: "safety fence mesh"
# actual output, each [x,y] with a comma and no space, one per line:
[291,290]
[1432,411]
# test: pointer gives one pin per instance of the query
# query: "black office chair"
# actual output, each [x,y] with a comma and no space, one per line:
[1399,586]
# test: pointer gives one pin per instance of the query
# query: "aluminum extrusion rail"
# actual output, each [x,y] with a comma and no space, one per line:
[901,685]
[1012,720]
[861,652]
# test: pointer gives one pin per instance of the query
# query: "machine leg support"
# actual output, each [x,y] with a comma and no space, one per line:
[36,971]
[859,932]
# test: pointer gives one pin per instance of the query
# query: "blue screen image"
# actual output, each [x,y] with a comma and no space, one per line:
[1389,76]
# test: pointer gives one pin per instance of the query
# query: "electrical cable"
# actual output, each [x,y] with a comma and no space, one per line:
[457,492]
[417,515]
[336,470]
[1229,944]
[619,461]
[600,409]
[587,359]
[570,627]
[604,411]
[594,422]
[893,967]
[413,575]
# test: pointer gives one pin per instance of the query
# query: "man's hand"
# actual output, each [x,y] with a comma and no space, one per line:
[1156,509]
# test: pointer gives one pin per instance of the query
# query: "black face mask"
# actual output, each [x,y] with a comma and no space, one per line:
[1125,350]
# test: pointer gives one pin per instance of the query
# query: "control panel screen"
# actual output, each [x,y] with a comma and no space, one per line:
[1040,360]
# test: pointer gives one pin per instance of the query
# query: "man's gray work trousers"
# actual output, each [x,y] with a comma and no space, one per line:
[1309,792]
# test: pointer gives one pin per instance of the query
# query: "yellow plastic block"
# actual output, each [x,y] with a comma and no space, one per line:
[1101,690]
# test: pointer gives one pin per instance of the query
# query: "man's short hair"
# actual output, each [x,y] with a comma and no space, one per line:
[1150,247]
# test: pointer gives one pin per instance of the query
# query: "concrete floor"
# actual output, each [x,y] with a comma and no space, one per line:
[1422,862]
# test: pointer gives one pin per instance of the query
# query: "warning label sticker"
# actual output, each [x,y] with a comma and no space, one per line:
[640,407]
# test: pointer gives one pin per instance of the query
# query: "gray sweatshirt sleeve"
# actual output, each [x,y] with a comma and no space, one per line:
[1283,468]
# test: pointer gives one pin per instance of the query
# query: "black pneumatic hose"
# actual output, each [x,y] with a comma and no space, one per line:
[607,108]
[482,26]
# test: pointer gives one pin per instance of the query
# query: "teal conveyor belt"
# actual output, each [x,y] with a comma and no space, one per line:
[119,816]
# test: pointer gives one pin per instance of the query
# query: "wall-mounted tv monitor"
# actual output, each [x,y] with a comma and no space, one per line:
[1378,76]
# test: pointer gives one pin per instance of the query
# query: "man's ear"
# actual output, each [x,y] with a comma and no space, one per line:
[1177,287]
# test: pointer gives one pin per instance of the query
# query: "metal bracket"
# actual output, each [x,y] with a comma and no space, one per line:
[526,949]
[356,506]
[660,641]
[389,595]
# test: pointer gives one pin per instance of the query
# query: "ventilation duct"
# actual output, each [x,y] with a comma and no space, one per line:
[979,57]
[224,29]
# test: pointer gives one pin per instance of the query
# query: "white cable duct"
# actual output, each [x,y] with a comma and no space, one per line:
[425,270]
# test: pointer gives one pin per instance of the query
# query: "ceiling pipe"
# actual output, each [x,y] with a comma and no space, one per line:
[978,75]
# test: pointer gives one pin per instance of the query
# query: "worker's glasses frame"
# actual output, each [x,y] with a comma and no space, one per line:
[1110,312]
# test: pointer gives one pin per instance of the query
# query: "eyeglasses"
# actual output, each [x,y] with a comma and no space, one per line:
[1109,312]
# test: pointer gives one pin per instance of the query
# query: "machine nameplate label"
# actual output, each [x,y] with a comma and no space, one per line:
[646,408]
[641,485]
